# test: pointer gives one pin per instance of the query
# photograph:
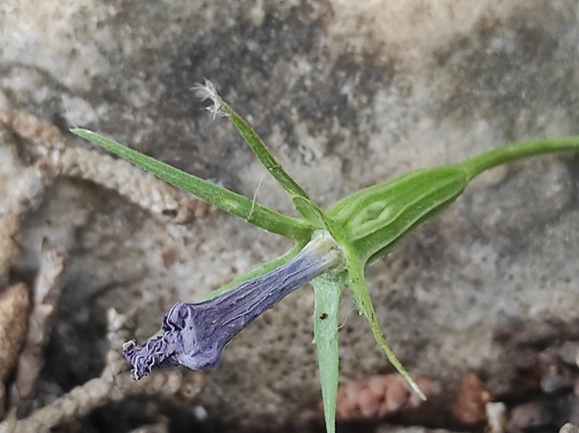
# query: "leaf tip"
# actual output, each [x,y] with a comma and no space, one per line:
[418,391]
[83,133]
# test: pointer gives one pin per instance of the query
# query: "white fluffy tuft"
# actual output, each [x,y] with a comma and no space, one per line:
[208,91]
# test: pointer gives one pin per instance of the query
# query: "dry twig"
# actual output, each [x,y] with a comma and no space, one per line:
[20,196]
[47,289]
[14,305]
[113,385]
[131,182]
[57,156]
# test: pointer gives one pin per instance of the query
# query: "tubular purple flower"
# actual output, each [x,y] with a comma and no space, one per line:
[194,335]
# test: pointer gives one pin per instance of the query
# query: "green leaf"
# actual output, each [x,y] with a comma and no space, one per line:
[303,203]
[258,146]
[364,304]
[328,291]
[225,199]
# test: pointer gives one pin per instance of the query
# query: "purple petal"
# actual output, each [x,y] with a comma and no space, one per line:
[194,335]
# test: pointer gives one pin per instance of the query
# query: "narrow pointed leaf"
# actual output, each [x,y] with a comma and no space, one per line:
[328,293]
[223,198]
[303,203]
[364,304]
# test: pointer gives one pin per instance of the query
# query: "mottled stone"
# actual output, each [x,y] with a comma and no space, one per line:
[346,94]
[529,416]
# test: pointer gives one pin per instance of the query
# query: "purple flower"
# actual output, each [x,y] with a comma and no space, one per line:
[194,335]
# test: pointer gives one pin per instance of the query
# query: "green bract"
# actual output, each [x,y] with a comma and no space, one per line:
[365,225]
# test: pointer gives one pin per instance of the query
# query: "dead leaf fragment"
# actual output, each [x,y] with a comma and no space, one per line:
[14,307]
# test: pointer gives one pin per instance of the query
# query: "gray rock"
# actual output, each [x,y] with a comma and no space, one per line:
[345,95]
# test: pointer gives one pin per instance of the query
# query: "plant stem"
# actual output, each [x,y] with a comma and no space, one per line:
[501,155]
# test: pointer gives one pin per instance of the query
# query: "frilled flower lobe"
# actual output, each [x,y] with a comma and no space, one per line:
[194,335]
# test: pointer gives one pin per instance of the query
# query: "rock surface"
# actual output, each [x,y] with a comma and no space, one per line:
[345,95]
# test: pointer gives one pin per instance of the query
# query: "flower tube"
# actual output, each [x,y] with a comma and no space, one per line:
[194,335]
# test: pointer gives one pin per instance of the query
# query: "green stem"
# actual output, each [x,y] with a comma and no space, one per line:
[513,152]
